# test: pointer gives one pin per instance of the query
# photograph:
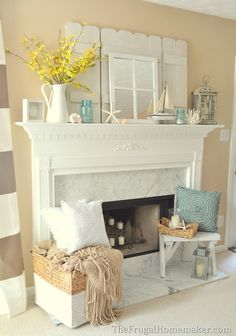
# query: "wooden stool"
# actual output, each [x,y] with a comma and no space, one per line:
[169,244]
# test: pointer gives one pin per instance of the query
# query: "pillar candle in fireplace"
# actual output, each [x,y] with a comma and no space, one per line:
[111,221]
[121,240]
[120,225]
[112,241]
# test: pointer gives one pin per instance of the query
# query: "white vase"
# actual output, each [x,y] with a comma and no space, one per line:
[57,103]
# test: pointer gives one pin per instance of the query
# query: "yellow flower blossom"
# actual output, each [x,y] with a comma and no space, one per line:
[60,65]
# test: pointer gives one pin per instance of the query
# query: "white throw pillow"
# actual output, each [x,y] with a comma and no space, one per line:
[57,224]
[86,225]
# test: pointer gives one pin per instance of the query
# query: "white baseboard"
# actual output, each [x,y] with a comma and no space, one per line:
[220,248]
[30,292]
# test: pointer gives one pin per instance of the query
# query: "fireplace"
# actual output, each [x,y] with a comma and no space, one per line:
[111,162]
[131,168]
[131,225]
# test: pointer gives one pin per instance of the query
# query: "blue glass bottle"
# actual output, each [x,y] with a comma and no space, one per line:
[86,111]
[180,116]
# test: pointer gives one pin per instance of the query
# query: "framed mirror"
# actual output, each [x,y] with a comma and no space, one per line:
[133,84]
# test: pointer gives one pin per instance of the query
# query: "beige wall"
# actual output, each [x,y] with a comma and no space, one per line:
[211,50]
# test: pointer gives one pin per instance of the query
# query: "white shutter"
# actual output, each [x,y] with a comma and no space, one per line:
[175,70]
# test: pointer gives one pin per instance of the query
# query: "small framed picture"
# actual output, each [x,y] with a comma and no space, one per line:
[33,110]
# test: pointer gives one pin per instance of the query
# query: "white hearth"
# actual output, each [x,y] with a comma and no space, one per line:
[111,162]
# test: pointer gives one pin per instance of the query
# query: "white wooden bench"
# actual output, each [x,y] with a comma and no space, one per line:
[169,244]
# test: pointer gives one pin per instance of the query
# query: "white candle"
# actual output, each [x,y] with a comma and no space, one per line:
[111,221]
[175,221]
[200,268]
[120,225]
[112,241]
[121,240]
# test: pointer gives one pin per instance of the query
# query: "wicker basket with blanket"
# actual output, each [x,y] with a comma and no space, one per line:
[68,282]
[80,287]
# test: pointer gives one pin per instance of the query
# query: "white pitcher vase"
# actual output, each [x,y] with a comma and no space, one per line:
[56,103]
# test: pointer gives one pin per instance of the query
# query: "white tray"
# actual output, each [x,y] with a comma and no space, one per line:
[164,116]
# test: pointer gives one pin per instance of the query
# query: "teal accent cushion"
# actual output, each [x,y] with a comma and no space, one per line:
[200,207]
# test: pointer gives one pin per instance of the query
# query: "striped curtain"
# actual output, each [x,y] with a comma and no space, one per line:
[12,278]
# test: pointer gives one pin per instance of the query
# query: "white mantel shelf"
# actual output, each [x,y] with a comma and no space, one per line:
[64,149]
[113,145]
[68,131]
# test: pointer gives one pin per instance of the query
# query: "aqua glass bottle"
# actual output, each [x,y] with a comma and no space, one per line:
[180,116]
[86,111]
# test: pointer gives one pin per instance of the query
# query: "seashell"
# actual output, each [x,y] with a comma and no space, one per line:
[75,118]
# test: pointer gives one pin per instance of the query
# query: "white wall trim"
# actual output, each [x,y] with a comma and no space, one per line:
[30,292]
[231,170]
[221,248]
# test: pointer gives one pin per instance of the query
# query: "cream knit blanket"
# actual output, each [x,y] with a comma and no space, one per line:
[103,267]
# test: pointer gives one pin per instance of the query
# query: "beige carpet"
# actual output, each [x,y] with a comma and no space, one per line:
[208,306]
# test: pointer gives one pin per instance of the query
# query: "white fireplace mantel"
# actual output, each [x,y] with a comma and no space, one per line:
[62,149]
[69,131]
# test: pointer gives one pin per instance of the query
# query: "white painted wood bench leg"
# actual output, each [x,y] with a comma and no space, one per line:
[211,246]
[162,257]
[167,250]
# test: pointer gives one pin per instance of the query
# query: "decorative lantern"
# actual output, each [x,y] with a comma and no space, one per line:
[204,100]
[200,263]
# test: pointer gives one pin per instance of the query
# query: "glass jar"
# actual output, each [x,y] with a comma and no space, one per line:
[180,116]
[86,111]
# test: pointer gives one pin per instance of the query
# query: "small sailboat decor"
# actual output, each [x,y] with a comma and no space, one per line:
[163,107]
[164,103]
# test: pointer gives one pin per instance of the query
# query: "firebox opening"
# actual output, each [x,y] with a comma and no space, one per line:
[131,225]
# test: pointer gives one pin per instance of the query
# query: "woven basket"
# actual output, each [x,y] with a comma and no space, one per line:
[163,225]
[68,282]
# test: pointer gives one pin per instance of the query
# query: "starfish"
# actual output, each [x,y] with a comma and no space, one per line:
[112,115]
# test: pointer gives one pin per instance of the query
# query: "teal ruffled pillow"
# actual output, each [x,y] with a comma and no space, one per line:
[200,207]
